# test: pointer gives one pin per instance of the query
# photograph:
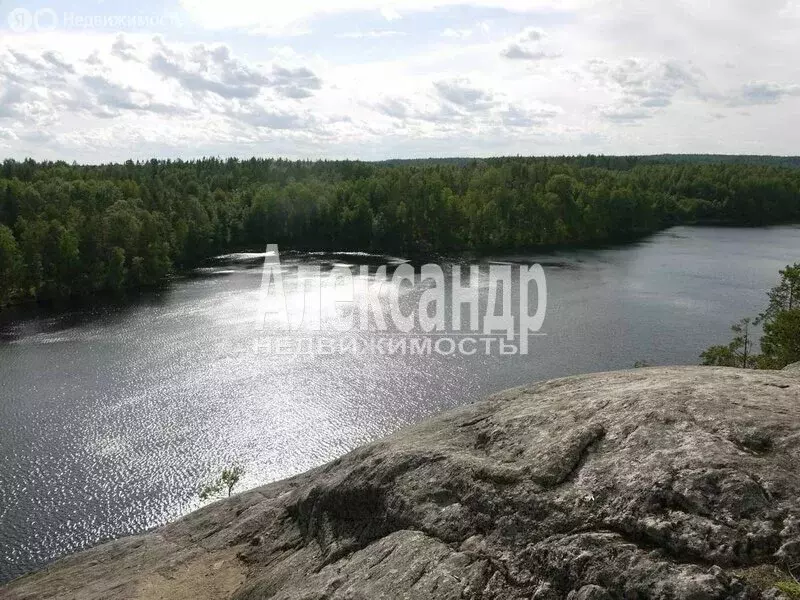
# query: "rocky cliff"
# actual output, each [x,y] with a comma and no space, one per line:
[653,483]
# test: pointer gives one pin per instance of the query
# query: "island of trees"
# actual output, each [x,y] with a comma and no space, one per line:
[70,231]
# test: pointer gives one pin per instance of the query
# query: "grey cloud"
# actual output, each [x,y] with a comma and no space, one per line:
[460,104]
[55,60]
[12,95]
[296,93]
[93,59]
[514,116]
[394,108]
[644,86]
[109,94]
[527,47]
[756,93]
[51,69]
[533,35]
[626,115]
[195,82]
[123,50]
[216,71]
[646,80]
[295,83]
[24,59]
[517,52]
[402,109]
[17,81]
[14,90]
[459,92]
[657,101]
[89,87]
[112,97]
[36,136]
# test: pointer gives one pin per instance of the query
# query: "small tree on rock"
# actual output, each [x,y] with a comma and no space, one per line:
[739,353]
[227,480]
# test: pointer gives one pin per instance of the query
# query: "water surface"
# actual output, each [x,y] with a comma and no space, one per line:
[111,419]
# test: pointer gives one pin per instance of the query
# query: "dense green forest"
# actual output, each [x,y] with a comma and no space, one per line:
[70,230]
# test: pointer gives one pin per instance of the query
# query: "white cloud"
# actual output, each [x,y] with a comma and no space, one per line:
[494,76]
[529,45]
[643,87]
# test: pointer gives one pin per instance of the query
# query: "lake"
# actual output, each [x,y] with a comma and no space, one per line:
[111,419]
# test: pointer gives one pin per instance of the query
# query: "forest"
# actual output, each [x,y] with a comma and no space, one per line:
[68,230]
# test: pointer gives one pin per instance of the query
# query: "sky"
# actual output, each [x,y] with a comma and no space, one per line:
[102,80]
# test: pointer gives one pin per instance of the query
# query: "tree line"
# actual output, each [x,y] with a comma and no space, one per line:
[69,230]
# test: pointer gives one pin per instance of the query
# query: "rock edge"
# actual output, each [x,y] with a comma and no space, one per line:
[654,483]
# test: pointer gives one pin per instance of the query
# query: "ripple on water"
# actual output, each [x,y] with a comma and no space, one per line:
[110,421]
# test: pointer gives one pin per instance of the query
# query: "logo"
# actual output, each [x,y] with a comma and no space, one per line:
[445,309]
[21,20]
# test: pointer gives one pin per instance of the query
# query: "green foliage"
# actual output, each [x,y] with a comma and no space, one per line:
[780,342]
[790,588]
[738,353]
[786,295]
[10,264]
[765,577]
[71,230]
[227,480]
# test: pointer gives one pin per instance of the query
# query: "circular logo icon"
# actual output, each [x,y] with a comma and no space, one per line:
[20,20]
[45,19]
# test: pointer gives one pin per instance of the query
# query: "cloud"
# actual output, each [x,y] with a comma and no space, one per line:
[122,49]
[460,93]
[393,107]
[108,94]
[477,78]
[517,52]
[205,70]
[643,86]
[516,116]
[762,92]
[214,70]
[625,115]
[294,83]
[11,97]
[457,104]
[55,60]
[528,45]
[261,117]
[54,101]
[25,60]
[114,97]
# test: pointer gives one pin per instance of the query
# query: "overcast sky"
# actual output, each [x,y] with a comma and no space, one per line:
[96,81]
